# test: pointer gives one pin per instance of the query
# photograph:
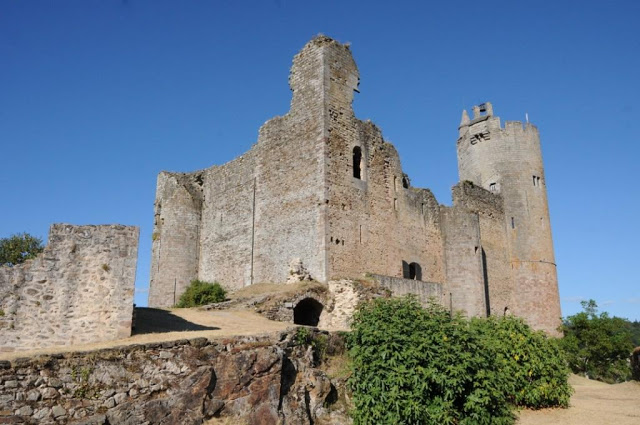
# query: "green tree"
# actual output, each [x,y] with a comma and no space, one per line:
[201,293]
[634,328]
[18,248]
[597,346]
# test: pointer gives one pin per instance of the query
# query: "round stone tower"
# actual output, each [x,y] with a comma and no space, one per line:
[508,161]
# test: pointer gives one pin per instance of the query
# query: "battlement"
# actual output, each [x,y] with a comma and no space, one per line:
[484,123]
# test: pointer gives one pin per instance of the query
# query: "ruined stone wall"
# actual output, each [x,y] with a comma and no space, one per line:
[426,292]
[375,223]
[244,380]
[261,210]
[464,286]
[227,225]
[79,290]
[508,161]
[176,229]
[496,266]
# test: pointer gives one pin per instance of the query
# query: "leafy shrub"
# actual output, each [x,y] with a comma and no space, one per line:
[421,365]
[201,293]
[318,342]
[598,346]
[536,363]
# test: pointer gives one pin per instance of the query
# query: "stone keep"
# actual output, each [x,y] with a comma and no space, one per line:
[324,187]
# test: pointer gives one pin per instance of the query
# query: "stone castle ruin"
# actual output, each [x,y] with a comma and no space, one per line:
[323,195]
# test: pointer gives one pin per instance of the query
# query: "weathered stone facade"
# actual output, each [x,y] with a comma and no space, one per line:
[324,187]
[79,290]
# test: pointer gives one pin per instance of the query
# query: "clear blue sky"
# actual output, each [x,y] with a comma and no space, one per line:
[97,97]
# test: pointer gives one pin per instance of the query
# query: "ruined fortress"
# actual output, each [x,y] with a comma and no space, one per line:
[324,188]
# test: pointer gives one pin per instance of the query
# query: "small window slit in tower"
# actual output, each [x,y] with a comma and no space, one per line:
[513,223]
[357,162]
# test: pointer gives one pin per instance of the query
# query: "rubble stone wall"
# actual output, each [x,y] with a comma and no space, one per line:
[79,290]
[251,380]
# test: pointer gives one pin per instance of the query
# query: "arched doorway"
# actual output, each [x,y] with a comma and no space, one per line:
[307,312]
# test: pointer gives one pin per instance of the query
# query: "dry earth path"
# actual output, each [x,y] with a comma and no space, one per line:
[158,325]
[593,403]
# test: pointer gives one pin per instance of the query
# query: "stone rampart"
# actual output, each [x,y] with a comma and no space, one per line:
[79,290]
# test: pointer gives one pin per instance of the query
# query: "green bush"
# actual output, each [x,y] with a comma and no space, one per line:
[598,346]
[412,365]
[201,293]
[536,363]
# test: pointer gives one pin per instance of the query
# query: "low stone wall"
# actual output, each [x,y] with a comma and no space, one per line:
[424,291]
[79,290]
[250,380]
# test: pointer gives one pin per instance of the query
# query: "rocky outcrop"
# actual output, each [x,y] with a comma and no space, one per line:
[270,379]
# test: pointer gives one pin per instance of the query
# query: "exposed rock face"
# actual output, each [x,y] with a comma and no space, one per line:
[248,380]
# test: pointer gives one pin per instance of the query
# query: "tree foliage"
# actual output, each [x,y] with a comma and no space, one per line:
[18,248]
[598,346]
[201,293]
[414,365]
[634,328]
[536,363]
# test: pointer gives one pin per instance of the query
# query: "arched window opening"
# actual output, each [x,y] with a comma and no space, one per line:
[405,182]
[415,271]
[411,271]
[357,162]
[307,312]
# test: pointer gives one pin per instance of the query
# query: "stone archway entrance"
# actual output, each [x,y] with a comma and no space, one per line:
[307,312]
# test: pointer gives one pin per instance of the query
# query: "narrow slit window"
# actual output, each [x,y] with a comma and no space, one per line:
[361,233]
[357,162]
[513,223]
[395,204]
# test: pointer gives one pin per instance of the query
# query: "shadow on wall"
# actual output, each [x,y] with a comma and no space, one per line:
[155,320]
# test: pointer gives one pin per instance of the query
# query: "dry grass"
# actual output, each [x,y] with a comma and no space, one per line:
[226,421]
[594,403]
[276,289]
[338,367]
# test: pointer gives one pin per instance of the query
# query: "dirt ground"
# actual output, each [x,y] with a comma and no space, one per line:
[593,403]
[156,325]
